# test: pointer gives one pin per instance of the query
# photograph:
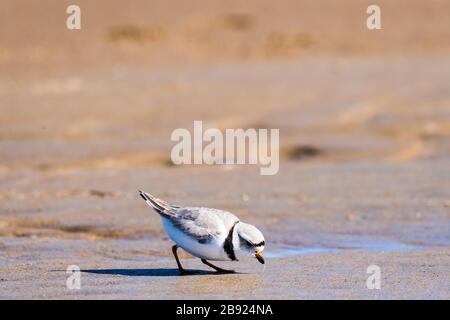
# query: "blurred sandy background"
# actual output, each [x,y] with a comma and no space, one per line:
[364,120]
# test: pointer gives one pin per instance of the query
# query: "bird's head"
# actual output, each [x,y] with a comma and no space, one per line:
[250,240]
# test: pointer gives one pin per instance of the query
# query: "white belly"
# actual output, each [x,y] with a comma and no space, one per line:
[211,251]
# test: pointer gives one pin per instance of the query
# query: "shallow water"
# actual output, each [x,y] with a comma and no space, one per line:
[360,247]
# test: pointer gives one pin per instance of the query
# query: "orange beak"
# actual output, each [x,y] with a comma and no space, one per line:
[259,256]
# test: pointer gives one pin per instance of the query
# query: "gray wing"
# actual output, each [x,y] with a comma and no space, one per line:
[202,224]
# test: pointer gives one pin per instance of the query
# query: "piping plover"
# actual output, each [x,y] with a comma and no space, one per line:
[209,234]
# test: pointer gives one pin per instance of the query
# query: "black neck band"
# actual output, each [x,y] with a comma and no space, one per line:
[228,244]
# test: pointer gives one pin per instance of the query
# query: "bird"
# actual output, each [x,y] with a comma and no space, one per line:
[207,233]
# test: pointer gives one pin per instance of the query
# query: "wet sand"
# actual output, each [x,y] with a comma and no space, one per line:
[364,134]
[319,244]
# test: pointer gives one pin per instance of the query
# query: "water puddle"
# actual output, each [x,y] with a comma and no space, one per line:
[290,252]
[358,247]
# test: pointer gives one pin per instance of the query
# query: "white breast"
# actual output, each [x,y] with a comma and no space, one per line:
[211,250]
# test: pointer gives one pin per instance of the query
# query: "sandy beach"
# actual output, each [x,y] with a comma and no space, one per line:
[364,119]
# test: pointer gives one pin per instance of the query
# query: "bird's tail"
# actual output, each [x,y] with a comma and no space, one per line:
[157,204]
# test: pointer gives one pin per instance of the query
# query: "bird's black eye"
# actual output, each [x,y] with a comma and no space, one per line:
[262,243]
[246,242]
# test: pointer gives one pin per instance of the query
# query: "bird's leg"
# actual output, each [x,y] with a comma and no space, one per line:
[180,267]
[216,268]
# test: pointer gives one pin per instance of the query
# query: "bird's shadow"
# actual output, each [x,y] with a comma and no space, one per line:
[156,272]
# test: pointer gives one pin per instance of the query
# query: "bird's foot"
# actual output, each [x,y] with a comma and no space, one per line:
[218,269]
[183,272]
